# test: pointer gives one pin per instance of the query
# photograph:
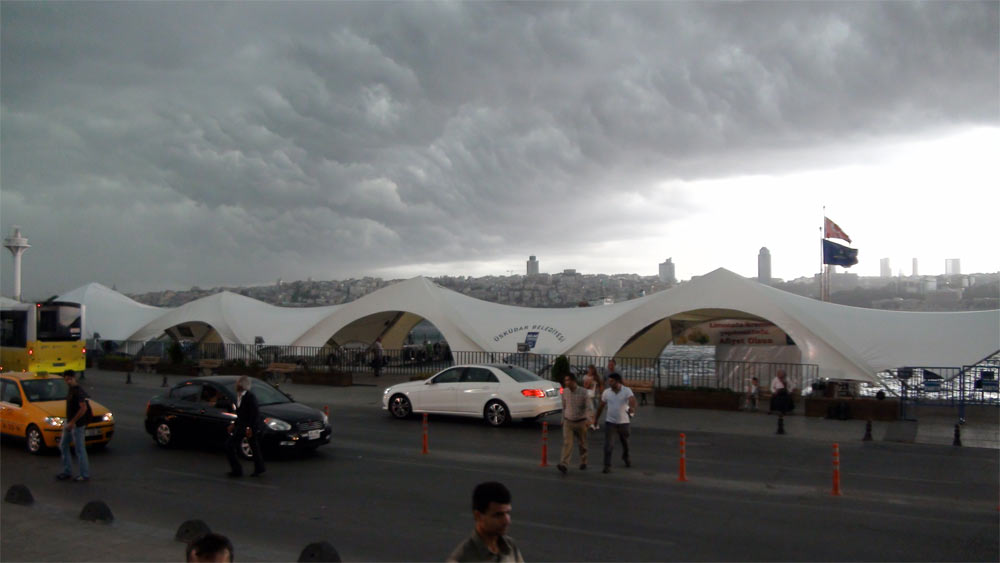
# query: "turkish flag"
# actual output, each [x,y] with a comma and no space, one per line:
[832,230]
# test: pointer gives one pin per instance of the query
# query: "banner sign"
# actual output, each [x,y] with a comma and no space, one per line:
[531,333]
[733,332]
[531,339]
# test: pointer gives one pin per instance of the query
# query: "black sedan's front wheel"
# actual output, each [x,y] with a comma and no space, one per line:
[163,434]
[246,452]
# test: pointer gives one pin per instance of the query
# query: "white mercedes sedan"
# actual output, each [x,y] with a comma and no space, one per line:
[496,392]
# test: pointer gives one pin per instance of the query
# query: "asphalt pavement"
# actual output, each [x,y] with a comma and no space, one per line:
[751,494]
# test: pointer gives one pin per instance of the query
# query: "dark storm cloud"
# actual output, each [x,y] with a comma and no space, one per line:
[238,142]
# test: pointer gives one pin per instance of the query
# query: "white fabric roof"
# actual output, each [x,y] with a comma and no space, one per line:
[112,315]
[239,319]
[846,342]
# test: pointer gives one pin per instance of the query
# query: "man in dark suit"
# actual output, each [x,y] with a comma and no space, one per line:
[246,425]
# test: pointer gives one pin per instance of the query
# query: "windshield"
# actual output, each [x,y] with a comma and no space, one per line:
[266,395]
[519,374]
[45,390]
[59,322]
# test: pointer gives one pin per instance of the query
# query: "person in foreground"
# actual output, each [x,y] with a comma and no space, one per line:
[247,413]
[74,430]
[489,542]
[211,547]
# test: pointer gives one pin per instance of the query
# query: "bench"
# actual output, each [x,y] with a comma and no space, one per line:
[639,388]
[284,368]
[207,366]
[147,363]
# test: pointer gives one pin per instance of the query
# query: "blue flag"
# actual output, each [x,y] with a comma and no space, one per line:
[839,255]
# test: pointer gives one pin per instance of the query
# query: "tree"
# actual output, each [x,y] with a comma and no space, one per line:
[560,367]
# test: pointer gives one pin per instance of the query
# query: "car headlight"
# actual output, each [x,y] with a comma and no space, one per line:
[326,419]
[277,424]
[55,421]
[108,417]
[387,389]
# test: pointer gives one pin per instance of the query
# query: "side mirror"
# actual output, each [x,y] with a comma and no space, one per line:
[429,382]
[16,401]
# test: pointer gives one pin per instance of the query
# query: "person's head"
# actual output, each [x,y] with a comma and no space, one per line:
[615,381]
[243,384]
[611,366]
[781,374]
[69,376]
[754,380]
[569,380]
[211,547]
[491,508]
[592,370]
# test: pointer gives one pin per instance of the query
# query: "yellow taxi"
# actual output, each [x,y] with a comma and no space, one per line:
[33,407]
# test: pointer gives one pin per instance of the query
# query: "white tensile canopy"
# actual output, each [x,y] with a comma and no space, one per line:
[845,342]
[112,315]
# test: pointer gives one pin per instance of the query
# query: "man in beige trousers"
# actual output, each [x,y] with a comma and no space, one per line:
[578,414]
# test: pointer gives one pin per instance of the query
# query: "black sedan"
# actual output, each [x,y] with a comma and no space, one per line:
[201,410]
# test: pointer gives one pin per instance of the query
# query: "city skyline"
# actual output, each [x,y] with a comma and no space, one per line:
[165,145]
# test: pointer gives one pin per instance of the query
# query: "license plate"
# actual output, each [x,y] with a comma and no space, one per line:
[93,432]
[314,434]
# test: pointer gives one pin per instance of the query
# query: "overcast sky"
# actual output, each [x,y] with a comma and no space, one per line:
[164,145]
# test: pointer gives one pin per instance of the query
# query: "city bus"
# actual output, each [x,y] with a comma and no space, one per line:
[44,337]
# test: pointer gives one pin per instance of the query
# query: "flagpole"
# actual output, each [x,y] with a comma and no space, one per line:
[822,273]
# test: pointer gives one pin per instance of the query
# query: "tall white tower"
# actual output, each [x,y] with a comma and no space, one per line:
[17,244]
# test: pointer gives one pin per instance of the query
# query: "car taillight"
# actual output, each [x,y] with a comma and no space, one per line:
[31,351]
[83,350]
[532,392]
[560,390]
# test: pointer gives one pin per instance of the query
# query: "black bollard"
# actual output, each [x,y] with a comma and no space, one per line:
[319,551]
[164,384]
[191,530]
[781,423]
[97,511]
[19,494]
[128,378]
[958,436]
[868,432]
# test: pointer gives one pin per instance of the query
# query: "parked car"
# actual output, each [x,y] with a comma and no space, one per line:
[496,392]
[201,409]
[33,407]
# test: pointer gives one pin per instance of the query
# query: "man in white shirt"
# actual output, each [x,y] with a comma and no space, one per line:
[620,402]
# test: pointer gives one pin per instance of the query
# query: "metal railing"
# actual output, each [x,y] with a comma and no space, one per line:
[945,386]
[422,361]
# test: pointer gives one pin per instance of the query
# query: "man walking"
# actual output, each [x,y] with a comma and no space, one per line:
[74,430]
[377,356]
[246,425]
[577,415]
[620,402]
[612,368]
[489,542]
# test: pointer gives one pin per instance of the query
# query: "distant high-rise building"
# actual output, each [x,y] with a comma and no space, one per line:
[915,274]
[532,266]
[952,266]
[667,271]
[885,270]
[764,266]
